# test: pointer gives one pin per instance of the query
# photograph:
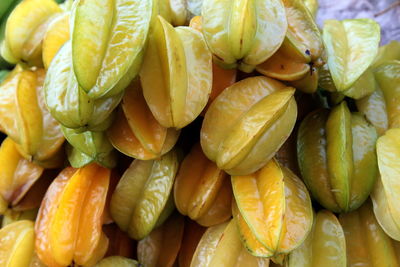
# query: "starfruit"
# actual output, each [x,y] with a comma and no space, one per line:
[67,101]
[324,246]
[17,173]
[180,60]
[381,107]
[191,238]
[3,75]
[390,51]
[351,47]
[142,199]
[221,78]
[309,83]
[17,244]
[160,248]
[366,242]
[273,213]
[93,147]
[336,156]
[386,193]
[173,11]
[135,132]
[68,227]
[117,261]
[247,123]
[56,35]
[235,31]
[108,39]
[201,190]
[221,246]
[25,29]
[287,64]
[25,118]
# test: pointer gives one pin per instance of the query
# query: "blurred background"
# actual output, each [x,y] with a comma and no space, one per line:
[386,12]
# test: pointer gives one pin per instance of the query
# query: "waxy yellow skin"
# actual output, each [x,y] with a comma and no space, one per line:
[247,123]
[366,242]
[221,246]
[336,155]
[324,246]
[202,191]
[143,198]
[386,191]
[273,212]
[235,30]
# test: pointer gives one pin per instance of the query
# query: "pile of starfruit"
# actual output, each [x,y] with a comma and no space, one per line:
[196,133]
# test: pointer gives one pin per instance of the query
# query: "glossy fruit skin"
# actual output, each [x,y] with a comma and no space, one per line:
[344,40]
[324,246]
[26,120]
[201,190]
[234,31]
[191,238]
[142,199]
[366,242]
[135,132]
[336,151]
[107,53]
[25,29]
[180,57]
[17,244]
[117,261]
[161,246]
[221,246]
[273,210]
[67,101]
[386,191]
[74,203]
[239,133]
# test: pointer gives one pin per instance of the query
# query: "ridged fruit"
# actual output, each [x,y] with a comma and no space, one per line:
[117,261]
[235,31]
[26,120]
[386,193]
[25,30]
[366,242]
[324,246]
[247,123]
[173,11]
[202,191]
[142,199]
[351,46]
[191,238]
[135,132]
[67,101]
[108,39]
[89,147]
[179,57]
[336,155]
[160,248]
[273,210]
[69,225]
[221,246]
[17,244]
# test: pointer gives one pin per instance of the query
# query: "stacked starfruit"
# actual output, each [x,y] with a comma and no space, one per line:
[196,133]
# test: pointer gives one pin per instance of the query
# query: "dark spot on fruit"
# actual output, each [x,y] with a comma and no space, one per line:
[308,52]
[282,67]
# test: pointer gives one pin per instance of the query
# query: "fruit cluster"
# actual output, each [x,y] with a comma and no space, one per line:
[279,141]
